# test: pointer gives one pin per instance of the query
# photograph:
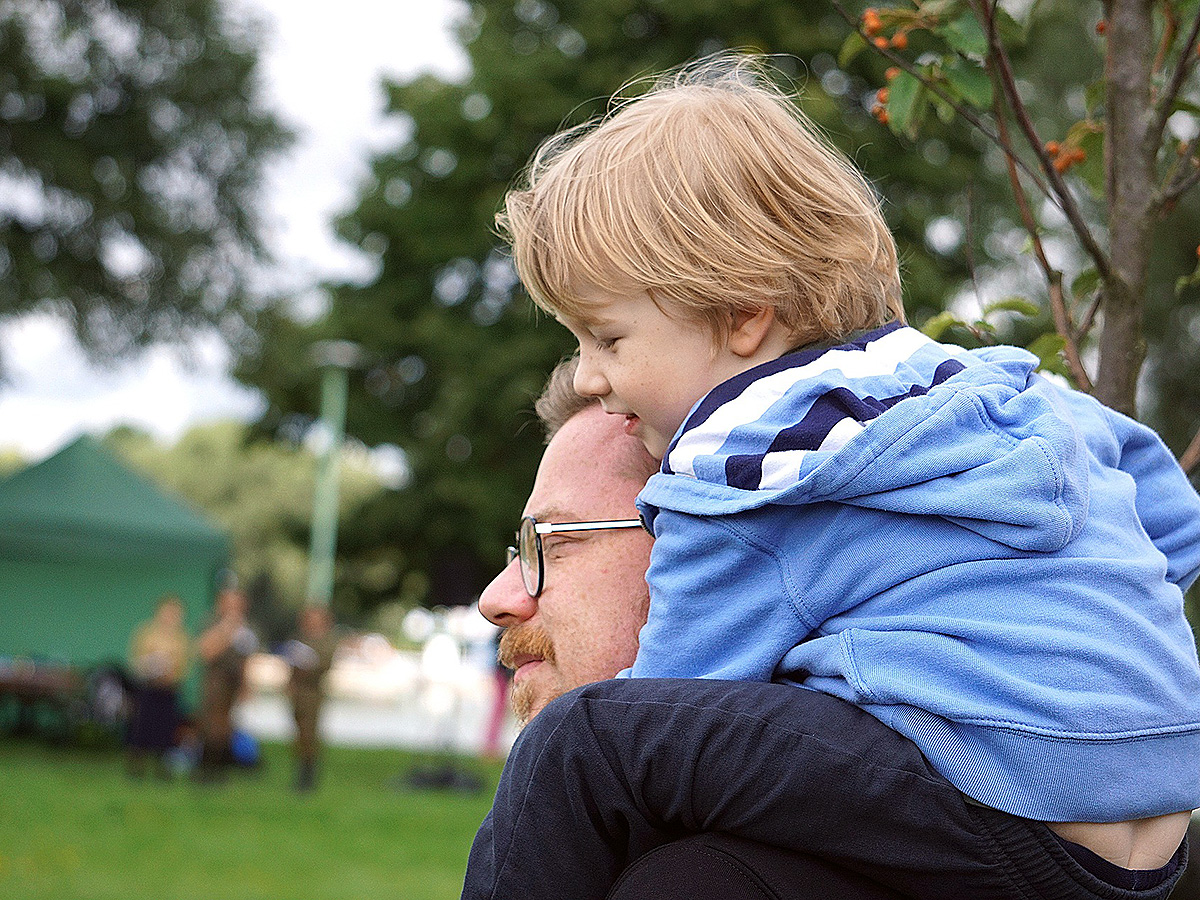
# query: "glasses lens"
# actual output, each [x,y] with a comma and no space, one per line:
[531,561]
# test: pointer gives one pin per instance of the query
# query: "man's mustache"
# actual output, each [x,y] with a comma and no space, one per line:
[524,640]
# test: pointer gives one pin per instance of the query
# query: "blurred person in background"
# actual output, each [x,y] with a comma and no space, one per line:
[224,647]
[309,655]
[158,661]
[498,714]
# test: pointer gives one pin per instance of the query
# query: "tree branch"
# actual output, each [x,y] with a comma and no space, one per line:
[1166,100]
[1191,456]
[1183,177]
[1170,32]
[1089,317]
[961,109]
[1054,278]
[1066,200]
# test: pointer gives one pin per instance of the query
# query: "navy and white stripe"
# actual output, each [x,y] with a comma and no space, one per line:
[758,430]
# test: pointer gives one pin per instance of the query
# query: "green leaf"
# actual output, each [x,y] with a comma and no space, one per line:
[1048,349]
[938,325]
[971,83]
[945,112]
[1013,304]
[854,44]
[938,8]
[1093,95]
[965,35]
[1085,283]
[983,326]
[903,91]
[1012,33]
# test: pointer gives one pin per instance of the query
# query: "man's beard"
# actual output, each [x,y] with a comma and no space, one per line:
[524,640]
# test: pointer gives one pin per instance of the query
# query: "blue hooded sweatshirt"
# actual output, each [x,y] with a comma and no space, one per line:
[989,564]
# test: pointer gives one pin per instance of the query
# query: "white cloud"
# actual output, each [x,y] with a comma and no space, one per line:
[53,395]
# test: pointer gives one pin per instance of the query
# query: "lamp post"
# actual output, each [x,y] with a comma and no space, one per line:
[334,359]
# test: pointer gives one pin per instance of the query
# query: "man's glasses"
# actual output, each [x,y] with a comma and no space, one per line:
[529,545]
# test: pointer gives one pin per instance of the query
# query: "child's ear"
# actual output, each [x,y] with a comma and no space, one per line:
[750,328]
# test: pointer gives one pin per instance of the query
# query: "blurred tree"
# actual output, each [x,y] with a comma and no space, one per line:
[1099,181]
[456,354]
[261,492]
[132,145]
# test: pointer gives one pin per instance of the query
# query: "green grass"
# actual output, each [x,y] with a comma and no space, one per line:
[73,827]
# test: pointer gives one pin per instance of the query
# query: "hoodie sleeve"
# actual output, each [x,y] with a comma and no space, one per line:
[722,604]
[1167,504]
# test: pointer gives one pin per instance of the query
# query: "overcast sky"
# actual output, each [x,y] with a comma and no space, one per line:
[323,66]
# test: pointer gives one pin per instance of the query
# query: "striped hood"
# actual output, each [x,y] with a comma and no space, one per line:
[891,421]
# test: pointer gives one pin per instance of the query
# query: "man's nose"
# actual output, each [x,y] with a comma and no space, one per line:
[505,601]
[589,380]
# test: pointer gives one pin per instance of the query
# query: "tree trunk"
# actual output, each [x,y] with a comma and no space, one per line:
[1130,149]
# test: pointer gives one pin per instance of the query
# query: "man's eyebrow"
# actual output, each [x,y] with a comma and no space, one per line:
[555,514]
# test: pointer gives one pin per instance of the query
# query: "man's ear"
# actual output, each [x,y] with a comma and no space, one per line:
[750,328]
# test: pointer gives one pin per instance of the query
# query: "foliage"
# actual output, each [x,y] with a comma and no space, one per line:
[74,827]
[1107,182]
[131,150]
[455,353]
[262,493]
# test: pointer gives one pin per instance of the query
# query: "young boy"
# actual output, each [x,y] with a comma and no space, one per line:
[988,564]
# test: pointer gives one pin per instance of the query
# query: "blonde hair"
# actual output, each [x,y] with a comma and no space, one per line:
[714,193]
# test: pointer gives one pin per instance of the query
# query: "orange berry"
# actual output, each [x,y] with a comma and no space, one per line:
[1198,249]
[1062,162]
[1053,148]
[1078,154]
[900,40]
[882,116]
[871,22]
[881,42]
[1102,26]
[892,72]
[882,95]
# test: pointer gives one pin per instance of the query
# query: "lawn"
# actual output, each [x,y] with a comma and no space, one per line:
[74,827]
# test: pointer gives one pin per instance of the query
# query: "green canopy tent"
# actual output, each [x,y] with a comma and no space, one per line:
[87,548]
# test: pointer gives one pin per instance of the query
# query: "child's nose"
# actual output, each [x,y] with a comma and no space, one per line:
[589,382]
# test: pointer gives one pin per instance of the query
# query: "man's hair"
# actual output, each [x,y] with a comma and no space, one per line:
[714,193]
[559,402]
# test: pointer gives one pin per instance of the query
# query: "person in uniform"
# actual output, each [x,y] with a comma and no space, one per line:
[224,647]
[309,655]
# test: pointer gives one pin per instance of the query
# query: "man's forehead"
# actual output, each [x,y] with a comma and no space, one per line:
[585,473]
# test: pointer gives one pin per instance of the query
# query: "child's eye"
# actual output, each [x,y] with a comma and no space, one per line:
[605,343]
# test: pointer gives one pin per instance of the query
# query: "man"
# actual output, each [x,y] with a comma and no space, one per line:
[309,655]
[224,647]
[582,628]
